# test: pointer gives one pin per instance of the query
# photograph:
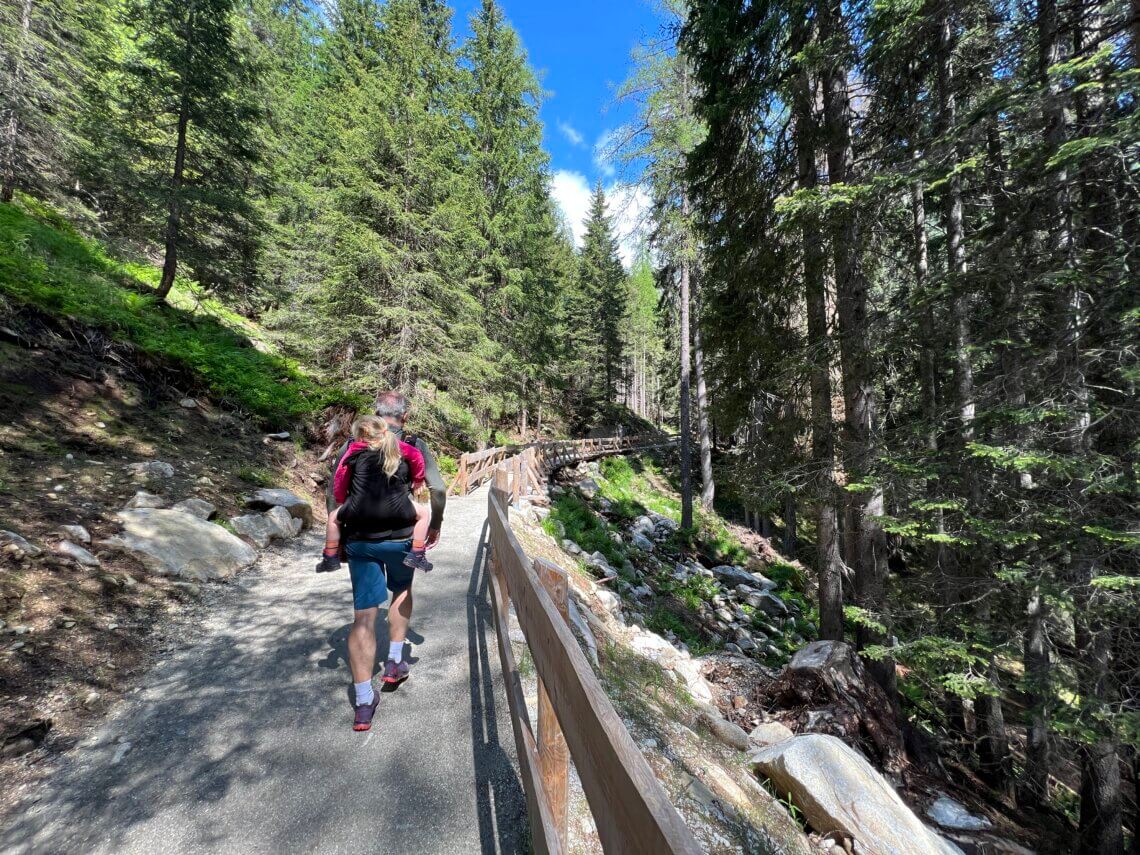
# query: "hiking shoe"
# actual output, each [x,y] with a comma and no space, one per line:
[394,672]
[418,561]
[328,563]
[364,713]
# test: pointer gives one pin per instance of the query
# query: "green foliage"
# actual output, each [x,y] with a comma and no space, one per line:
[46,265]
[583,526]
[662,620]
[256,476]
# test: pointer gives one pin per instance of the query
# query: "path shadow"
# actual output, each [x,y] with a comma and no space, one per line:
[500,802]
[337,656]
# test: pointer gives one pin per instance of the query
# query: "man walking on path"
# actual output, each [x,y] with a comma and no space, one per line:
[377,567]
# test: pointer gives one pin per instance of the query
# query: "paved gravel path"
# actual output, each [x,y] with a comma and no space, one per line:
[241,742]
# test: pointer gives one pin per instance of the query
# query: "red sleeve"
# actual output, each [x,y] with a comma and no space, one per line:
[415,462]
[341,479]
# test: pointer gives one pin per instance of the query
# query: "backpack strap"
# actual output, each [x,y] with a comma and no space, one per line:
[411,439]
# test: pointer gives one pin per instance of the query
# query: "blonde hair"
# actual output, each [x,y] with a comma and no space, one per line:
[379,436]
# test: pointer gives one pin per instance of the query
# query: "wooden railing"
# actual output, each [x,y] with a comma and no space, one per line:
[543,457]
[575,717]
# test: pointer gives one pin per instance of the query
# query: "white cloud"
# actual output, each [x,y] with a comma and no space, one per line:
[571,133]
[628,208]
[604,153]
[572,193]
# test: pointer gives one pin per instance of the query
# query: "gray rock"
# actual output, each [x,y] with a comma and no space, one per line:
[280,437]
[747,645]
[588,486]
[769,733]
[199,508]
[950,814]
[278,497]
[76,532]
[732,575]
[174,543]
[188,403]
[148,470]
[642,592]
[263,529]
[571,547]
[643,525]
[724,615]
[772,605]
[839,791]
[730,734]
[78,553]
[733,647]
[609,600]
[143,499]
[18,544]
[640,541]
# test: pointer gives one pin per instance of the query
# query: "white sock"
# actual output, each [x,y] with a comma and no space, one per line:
[396,651]
[364,693]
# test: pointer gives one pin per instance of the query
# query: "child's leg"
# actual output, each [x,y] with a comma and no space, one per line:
[419,533]
[332,535]
[417,557]
[330,557]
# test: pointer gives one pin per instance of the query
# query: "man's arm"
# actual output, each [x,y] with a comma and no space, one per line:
[436,486]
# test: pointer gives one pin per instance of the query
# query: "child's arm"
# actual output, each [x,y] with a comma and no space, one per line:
[416,466]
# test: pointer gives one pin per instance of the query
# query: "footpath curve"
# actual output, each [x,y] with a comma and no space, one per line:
[241,741]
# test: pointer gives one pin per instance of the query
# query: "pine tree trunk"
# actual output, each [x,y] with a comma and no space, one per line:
[1036,658]
[708,488]
[791,544]
[867,540]
[828,564]
[174,215]
[686,431]
[8,168]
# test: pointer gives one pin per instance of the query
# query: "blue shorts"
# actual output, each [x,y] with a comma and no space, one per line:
[377,567]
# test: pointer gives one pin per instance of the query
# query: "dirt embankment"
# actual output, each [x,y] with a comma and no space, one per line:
[78,412]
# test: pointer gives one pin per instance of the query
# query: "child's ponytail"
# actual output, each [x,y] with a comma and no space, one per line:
[375,431]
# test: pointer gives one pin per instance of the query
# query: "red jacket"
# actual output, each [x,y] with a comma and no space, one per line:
[410,453]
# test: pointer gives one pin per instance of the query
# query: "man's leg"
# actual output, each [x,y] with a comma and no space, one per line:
[362,644]
[399,577]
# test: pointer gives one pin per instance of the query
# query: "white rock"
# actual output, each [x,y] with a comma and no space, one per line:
[188,403]
[266,498]
[146,470]
[839,791]
[78,553]
[178,544]
[950,814]
[199,508]
[609,600]
[263,529]
[76,532]
[143,499]
[20,545]
[280,437]
[769,733]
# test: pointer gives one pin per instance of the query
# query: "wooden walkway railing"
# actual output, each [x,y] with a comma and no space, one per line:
[575,717]
[542,458]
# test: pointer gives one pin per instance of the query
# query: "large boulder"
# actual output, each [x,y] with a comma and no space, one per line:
[263,529]
[839,791]
[276,497]
[174,543]
[16,544]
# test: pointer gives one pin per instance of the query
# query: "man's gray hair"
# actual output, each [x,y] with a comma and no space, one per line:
[391,405]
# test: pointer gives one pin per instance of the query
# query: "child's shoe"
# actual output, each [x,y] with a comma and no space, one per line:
[418,561]
[329,563]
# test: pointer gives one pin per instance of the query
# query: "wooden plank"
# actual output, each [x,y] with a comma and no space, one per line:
[630,807]
[553,755]
[544,834]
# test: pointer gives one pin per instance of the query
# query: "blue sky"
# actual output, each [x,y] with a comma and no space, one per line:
[581,51]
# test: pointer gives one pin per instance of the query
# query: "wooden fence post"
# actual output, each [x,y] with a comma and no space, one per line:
[553,755]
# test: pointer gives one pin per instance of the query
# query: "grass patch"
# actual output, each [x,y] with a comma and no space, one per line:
[662,620]
[584,527]
[47,265]
[256,476]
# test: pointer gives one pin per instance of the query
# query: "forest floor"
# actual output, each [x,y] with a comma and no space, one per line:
[74,639]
